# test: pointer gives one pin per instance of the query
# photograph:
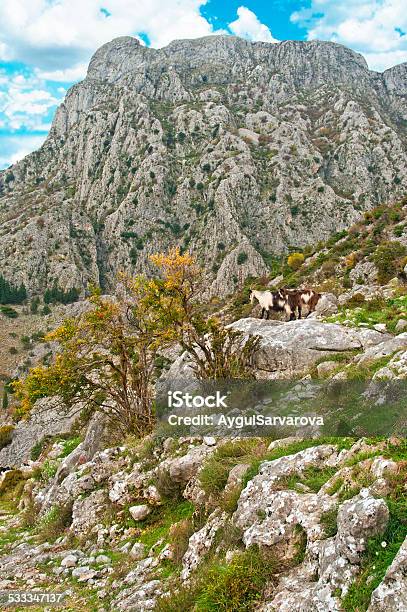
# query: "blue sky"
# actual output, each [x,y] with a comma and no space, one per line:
[45,45]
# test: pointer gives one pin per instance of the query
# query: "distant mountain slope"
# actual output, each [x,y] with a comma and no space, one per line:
[234,150]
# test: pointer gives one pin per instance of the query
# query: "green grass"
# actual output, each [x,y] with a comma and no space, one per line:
[224,587]
[369,313]
[215,472]
[377,558]
[329,522]
[69,445]
[156,526]
[313,478]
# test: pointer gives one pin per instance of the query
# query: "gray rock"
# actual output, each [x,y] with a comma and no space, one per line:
[182,469]
[137,551]
[87,512]
[326,367]
[401,325]
[383,349]
[139,512]
[69,561]
[290,348]
[84,573]
[327,305]
[47,418]
[110,150]
[358,518]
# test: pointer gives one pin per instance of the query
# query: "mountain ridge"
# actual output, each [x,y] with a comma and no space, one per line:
[235,150]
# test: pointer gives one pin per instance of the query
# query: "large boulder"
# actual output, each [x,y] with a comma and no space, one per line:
[287,349]
[47,419]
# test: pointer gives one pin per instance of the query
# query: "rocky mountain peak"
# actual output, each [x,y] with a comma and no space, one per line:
[236,151]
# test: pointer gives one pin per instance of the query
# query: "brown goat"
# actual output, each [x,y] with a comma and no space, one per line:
[297,299]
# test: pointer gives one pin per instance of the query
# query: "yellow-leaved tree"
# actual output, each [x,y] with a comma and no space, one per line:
[105,361]
[106,357]
[217,351]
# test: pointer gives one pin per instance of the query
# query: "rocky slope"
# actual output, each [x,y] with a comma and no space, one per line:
[227,524]
[164,523]
[235,150]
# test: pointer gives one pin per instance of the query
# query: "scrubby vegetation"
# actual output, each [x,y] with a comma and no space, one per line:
[367,313]
[6,433]
[107,357]
[225,586]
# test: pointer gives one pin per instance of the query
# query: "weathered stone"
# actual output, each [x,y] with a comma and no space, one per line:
[139,512]
[401,325]
[47,418]
[200,543]
[137,551]
[359,518]
[84,573]
[69,561]
[326,367]
[327,305]
[181,469]
[87,512]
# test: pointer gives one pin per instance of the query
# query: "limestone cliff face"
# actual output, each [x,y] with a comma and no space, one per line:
[234,150]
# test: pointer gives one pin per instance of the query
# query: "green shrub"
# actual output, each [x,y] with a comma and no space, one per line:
[69,446]
[241,258]
[11,294]
[6,434]
[56,294]
[54,523]
[329,522]
[222,587]
[9,312]
[386,259]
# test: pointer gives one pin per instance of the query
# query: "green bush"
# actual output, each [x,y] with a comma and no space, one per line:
[222,587]
[9,312]
[11,294]
[6,434]
[386,259]
[55,294]
[54,523]
[241,258]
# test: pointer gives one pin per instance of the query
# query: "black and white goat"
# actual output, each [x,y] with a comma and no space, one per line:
[285,300]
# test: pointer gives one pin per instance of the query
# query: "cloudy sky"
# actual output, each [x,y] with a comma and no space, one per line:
[45,45]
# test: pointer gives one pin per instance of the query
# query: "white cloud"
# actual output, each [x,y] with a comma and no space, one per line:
[67,75]
[247,25]
[55,39]
[375,28]
[55,36]
[24,103]
[14,148]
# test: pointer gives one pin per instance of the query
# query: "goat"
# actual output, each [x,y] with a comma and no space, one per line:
[298,298]
[271,301]
[287,300]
